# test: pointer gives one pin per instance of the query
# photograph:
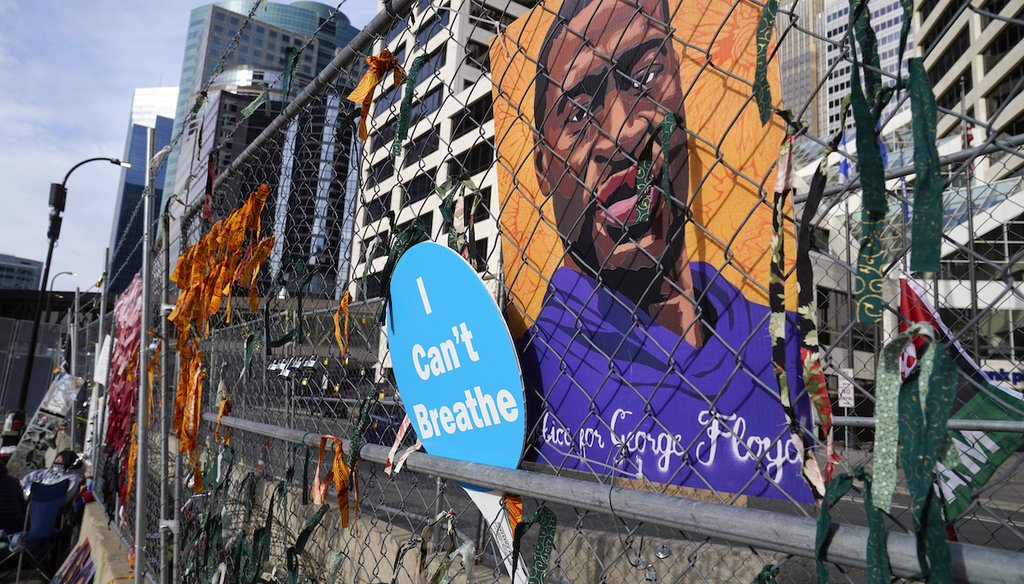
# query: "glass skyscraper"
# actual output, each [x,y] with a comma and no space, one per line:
[263,44]
[151,109]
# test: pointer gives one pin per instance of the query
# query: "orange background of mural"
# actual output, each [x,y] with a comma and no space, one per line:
[732,156]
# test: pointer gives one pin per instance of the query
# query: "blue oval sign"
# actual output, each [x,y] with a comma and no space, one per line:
[457,370]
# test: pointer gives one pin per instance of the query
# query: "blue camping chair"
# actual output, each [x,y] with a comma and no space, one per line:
[44,528]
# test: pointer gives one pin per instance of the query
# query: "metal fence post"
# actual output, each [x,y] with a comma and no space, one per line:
[100,339]
[73,327]
[142,407]
[164,427]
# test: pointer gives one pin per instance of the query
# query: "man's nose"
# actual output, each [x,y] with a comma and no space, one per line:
[625,125]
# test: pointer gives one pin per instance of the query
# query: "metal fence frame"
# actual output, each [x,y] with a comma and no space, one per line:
[779,532]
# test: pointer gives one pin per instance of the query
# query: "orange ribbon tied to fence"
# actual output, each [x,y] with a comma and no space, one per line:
[338,475]
[363,93]
[231,253]
[339,333]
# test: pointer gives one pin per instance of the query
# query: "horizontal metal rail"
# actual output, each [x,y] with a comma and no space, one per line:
[952,424]
[788,534]
[341,61]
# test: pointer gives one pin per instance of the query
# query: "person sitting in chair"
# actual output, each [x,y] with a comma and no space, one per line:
[66,466]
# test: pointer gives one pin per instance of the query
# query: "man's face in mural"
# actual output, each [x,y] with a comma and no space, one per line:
[612,77]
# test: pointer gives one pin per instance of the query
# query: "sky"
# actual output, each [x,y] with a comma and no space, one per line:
[67,72]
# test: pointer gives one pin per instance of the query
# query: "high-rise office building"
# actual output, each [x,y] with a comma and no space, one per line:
[887,21]
[451,136]
[310,172]
[975,63]
[152,108]
[19,273]
[263,44]
[799,61]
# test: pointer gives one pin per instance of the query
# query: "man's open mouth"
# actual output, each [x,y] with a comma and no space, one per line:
[624,211]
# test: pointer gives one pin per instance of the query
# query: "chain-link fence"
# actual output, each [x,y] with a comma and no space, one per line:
[605,168]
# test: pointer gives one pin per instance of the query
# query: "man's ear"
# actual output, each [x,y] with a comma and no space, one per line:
[542,159]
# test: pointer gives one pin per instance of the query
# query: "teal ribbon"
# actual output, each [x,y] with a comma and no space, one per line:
[451,191]
[292,553]
[405,112]
[866,109]
[762,90]
[359,431]
[887,432]
[261,99]
[768,575]
[926,234]
[925,403]
[645,164]
[546,519]
[877,570]
[400,243]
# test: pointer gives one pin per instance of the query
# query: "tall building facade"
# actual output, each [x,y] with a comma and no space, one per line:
[264,44]
[799,61]
[152,111]
[310,169]
[19,273]
[451,136]
[975,63]
[887,21]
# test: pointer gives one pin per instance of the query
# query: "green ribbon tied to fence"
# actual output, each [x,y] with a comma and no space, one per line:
[451,192]
[911,422]
[546,519]
[762,89]
[926,228]
[405,111]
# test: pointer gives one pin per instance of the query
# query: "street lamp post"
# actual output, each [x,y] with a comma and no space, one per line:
[49,293]
[58,196]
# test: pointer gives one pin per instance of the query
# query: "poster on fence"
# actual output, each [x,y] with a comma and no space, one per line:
[635,178]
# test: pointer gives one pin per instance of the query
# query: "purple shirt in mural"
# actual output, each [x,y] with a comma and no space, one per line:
[623,396]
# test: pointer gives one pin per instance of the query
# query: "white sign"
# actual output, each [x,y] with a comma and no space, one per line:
[845,389]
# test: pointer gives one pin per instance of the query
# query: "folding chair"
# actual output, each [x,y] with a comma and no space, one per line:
[43,529]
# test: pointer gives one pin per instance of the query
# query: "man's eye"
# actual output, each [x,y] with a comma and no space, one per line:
[578,114]
[648,78]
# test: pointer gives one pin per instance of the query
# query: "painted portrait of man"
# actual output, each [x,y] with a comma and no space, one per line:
[642,326]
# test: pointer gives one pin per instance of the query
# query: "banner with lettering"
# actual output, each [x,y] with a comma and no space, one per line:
[636,229]
[979,454]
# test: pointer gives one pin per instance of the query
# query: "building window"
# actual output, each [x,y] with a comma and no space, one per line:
[370,287]
[377,208]
[433,26]
[430,103]
[477,159]
[381,171]
[385,136]
[938,29]
[389,98]
[945,62]
[956,92]
[434,62]
[478,255]
[398,28]
[426,222]
[478,55]
[422,146]
[419,188]
[1003,91]
[1008,38]
[473,117]
[482,211]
